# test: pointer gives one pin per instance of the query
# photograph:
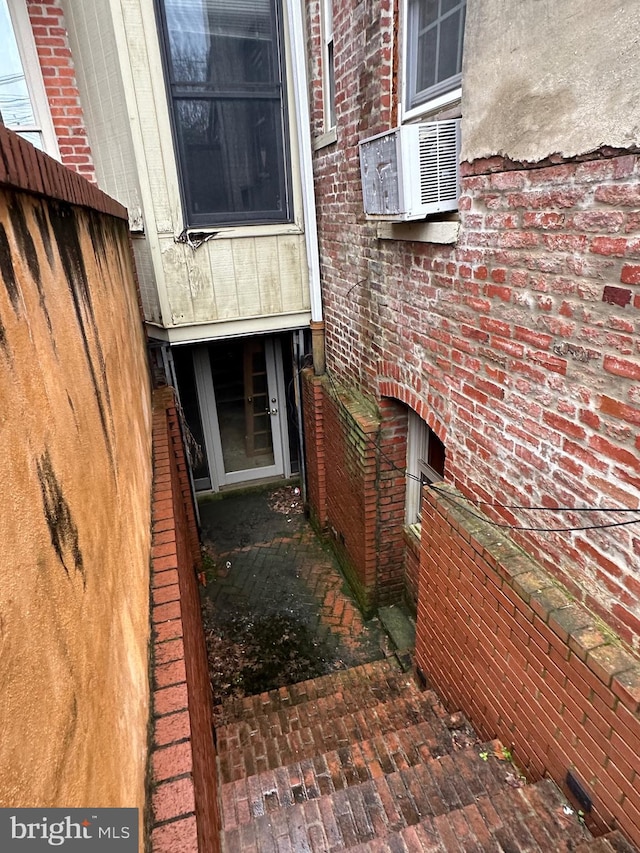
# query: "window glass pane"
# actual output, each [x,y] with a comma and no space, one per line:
[448,5]
[434,57]
[183,363]
[15,104]
[32,136]
[331,82]
[232,158]
[436,457]
[221,42]
[448,48]
[226,85]
[428,13]
[426,70]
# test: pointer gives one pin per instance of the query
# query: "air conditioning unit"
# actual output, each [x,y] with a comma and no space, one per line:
[412,171]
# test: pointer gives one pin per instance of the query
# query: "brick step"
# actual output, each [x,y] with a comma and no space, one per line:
[294,717]
[612,842]
[436,784]
[323,712]
[482,828]
[375,678]
[261,754]
[382,814]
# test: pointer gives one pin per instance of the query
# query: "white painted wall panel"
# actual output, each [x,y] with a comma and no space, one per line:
[221,258]
[246,268]
[270,283]
[293,274]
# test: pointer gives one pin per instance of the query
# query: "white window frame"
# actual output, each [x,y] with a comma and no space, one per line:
[430,105]
[327,64]
[34,80]
[419,472]
[328,68]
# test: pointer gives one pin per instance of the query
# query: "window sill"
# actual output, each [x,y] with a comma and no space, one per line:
[420,232]
[432,109]
[412,538]
[327,138]
[226,232]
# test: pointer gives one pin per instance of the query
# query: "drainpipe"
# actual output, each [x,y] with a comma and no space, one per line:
[303,124]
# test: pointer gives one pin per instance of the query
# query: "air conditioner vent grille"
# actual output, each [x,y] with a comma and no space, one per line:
[439,154]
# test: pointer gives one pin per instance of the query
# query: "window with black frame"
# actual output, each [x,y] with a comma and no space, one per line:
[225,69]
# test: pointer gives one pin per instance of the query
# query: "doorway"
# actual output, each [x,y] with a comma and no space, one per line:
[242,403]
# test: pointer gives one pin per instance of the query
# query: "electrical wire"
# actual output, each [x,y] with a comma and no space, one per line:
[453,499]
[496,505]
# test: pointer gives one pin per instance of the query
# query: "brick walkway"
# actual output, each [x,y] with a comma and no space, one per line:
[270,565]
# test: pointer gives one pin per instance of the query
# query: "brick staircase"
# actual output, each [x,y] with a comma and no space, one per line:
[363,760]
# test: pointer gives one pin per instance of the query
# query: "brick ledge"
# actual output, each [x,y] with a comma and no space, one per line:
[572,622]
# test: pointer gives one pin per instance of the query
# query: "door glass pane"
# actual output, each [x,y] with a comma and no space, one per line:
[183,365]
[239,375]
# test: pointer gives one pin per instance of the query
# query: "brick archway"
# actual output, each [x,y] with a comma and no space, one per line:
[392,387]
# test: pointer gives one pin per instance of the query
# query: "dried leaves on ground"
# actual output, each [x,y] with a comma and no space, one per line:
[249,654]
[287,500]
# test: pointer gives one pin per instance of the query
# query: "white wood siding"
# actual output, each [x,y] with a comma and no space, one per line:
[240,273]
[235,278]
[97,66]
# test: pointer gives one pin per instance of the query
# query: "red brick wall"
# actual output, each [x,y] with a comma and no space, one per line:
[52,44]
[315,453]
[350,433]
[549,317]
[521,342]
[390,494]
[356,485]
[508,646]
[183,762]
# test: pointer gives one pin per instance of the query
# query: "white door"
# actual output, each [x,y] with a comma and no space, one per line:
[240,389]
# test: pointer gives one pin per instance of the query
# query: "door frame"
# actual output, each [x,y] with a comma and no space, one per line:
[211,429]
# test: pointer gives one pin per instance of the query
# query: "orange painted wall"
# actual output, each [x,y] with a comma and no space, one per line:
[75,469]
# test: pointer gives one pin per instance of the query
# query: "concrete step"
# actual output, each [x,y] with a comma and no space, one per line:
[450,780]
[294,717]
[257,755]
[375,679]
[383,814]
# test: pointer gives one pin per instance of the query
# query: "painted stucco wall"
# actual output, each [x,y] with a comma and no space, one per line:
[560,78]
[76,478]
